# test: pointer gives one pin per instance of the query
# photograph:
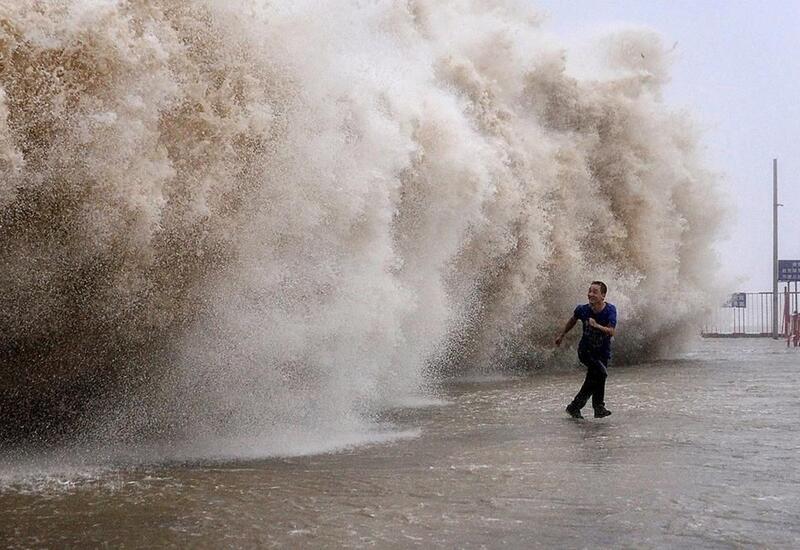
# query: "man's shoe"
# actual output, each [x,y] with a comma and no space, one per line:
[573,412]
[600,413]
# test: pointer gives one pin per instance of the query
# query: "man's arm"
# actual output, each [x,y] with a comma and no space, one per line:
[567,328]
[605,330]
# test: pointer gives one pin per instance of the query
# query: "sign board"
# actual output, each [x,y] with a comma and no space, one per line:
[789,270]
[738,299]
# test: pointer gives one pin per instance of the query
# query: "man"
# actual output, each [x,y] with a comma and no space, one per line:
[599,320]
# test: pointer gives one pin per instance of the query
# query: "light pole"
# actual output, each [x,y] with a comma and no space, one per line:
[774,249]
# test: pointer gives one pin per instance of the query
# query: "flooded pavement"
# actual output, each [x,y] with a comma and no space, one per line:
[701,452]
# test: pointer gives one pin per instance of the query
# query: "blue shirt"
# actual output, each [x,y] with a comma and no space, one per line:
[594,341]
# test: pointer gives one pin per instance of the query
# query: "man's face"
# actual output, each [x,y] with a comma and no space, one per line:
[595,295]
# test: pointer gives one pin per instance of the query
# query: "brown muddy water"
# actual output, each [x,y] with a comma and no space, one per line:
[702,451]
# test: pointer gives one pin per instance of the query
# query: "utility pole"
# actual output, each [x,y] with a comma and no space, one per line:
[774,249]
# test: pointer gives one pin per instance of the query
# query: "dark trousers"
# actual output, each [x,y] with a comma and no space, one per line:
[595,383]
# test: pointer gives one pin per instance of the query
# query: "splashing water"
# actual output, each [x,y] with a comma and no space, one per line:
[269,220]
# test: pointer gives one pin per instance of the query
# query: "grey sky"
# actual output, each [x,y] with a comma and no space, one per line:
[737,69]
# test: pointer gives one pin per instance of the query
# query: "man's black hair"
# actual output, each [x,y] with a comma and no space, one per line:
[602,285]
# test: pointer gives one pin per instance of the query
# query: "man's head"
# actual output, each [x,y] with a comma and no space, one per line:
[597,292]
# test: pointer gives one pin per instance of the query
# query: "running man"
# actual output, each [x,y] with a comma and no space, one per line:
[599,320]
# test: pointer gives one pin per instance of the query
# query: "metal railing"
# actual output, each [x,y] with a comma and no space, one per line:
[749,314]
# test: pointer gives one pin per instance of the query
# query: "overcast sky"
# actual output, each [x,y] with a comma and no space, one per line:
[737,69]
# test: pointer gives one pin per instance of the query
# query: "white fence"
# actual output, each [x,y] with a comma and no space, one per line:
[750,314]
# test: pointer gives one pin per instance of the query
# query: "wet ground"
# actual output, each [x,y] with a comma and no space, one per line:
[701,452]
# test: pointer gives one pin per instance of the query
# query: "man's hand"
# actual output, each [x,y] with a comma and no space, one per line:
[568,327]
[608,331]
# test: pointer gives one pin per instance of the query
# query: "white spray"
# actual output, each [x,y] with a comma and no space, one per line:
[280,216]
